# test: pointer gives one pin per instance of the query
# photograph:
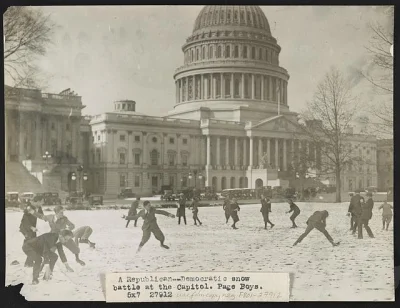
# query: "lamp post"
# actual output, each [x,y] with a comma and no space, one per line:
[194,175]
[73,177]
[85,178]
[46,156]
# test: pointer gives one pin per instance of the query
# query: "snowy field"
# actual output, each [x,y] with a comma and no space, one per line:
[359,270]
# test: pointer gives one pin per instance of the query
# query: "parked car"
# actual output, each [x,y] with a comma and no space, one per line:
[51,198]
[27,197]
[126,193]
[371,189]
[38,197]
[12,199]
[96,200]
[209,193]
[169,196]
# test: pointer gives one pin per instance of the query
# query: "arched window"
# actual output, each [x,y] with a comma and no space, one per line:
[204,52]
[211,53]
[228,51]
[154,157]
[219,52]
[236,53]
[245,52]
[253,53]
[260,54]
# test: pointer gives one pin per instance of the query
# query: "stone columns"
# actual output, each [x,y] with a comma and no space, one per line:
[178,150]
[187,89]
[276,153]
[214,87]
[252,87]
[227,163]
[292,152]
[262,87]
[218,151]
[242,96]
[269,151]
[251,152]
[236,152]
[284,155]
[194,87]
[38,150]
[260,151]
[208,150]
[206,87]
[271,89]
[180,90]
[202,94]
[232,85]
[244,151]
[222,86]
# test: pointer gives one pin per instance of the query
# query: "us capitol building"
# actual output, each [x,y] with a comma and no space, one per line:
[230,127]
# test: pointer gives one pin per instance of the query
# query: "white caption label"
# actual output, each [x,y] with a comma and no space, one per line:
[197,286]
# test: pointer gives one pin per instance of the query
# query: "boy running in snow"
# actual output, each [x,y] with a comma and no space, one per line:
[386,214]
[296,212]
[195,211]
[317,221]
[150,224]
[133,212]
[366,215]
[265,210]
[227,208]
[235,209]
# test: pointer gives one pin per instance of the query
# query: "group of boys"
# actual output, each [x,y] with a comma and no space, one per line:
[40,250]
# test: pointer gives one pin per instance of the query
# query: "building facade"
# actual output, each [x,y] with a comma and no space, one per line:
[385,164]
[230,127]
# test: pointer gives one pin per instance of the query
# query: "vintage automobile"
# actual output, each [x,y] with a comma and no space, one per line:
[371,189]
[12,199]
[51,198]
[209,193]
[169,196]
[38,197]
[26,197]
[96,200]
[126,193]
[75,197]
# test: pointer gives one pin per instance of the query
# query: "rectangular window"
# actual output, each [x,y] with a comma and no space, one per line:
[171,140]
[184,141]
[67,126]
[122,158]
[245,52]
[171,181]
[236,53]
[184,182]
[137,138]
[137,181]
[171,159]
[184,160]
[98,138]
[53,127]
[121,137]
[137,159]
[122,180]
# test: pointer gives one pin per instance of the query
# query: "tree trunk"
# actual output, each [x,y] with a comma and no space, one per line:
[338,185]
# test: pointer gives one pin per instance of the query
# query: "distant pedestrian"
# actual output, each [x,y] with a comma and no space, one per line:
[82,235]
[235,209]
[195,211]
[317,221]
[350,213]
[387,214]
[355,209]
[296,212]
[150,224]
[265,210]
[181,212]
[366,215]
[227,209]
[132,212]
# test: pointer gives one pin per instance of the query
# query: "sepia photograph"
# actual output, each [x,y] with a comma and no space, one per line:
[236,145]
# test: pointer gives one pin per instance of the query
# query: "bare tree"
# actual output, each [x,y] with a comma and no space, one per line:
[27,34]
[380,75]
[329,118]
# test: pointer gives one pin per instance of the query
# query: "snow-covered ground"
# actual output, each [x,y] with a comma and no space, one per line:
[355,270]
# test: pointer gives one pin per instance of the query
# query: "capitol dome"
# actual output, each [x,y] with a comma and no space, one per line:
[231,62]
[221,16]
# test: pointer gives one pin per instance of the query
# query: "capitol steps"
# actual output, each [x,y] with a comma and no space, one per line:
[19,179]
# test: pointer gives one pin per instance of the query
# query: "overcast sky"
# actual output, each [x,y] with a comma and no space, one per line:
[131,52]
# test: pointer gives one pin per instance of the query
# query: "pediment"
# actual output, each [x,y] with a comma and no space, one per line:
[277,123]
